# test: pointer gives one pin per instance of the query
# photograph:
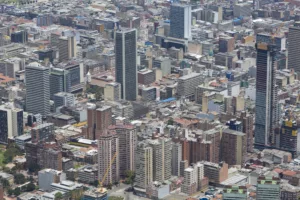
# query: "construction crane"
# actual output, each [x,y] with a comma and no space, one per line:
[101,189]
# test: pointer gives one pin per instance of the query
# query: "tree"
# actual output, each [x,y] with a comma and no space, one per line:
[10,192]
[95,183]
[58,196]
[19,178]
[30,187]
[98,95]
[130,177]
[170,121]
[4,182]
[17,191]
[33,168]
[109,186]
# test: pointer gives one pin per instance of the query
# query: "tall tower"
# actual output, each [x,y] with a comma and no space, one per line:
[180,21]
[294,49]
[108,148]
[266,95]
[126,69]
[37,89]
[67,48]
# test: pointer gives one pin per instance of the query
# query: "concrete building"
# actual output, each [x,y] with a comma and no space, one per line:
[235,193]
[226,44]
[247,122]
[11,120]
[42,132]
[64,99]
[19,37]
[144,165]
[216,173]
[268,188]
[112,91]
[67,186]
[37,89]
[149,94]
[162,156]
[187,85]
[293,49]
[266,103]
[242,9]
[126,64]
[49,176]
[127,135]
[98,120]
[67,47]
[49,157]
[22,139]
[193,177]
[176,158]
[146,77]
[88,174]
[108,148]
[180,21]
[289,192]
[233,147]
[289,136]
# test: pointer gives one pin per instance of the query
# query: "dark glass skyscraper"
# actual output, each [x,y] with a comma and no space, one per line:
[294,49]
[266,95]
[126,69]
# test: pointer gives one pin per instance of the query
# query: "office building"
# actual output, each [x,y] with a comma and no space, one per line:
[112,91]
[289,136]
[266,103]
[162,156]
[98,121]
[187,85]
[144,165]
[48,176]
[268,188]
[42,132]
[44,20]
[58,81]
[146,77]
[193,178]
[149,94]
[176,158]
[11,122]
[19,37]
[216,173]
[233,124]
[289,192]
[37,89]
[68,187]
[64,99]
[126,64]
[293,49]
[180,21]
[67,47]
[46,54]
[22,139]
[108,151]
[233,147]
[247,122]
[242,9]
[49,157]
[88,174]
[235,193]
[226,44]
[127,145]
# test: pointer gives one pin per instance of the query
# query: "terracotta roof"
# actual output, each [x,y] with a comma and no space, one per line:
[5,79]
[289,173]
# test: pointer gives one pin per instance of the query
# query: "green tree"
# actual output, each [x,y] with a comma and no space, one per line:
[4,182]
[98,95]
[58,196]
[19,178]
[130,177]
[109,186]
[33,168]
[170,121]
[10,192]
[30,187]
[17,191]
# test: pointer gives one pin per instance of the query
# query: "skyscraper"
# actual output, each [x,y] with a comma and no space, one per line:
[37,89]
[294,49]
[99,119]
[266,95]
[108,148]
[176,158]
[144,165]
[180,21]
[126,68]
[67,48]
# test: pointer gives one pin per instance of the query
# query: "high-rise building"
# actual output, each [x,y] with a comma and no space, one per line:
[126,64]
[108,151]
[193,177]
[58,81]
[289,136]
[266,104]
[162,156]
[99,119]
[64,99]
[37,89]
[187,85]
[112,91]
[67,48]
[11,122]
[19,37]
[180,21]
[127,145]
[49,176]
[144,165]
[268,188]
[216,173]
[176,158]
[233,147]
[293,49]
[247,121]
[42,132]
[226,44]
